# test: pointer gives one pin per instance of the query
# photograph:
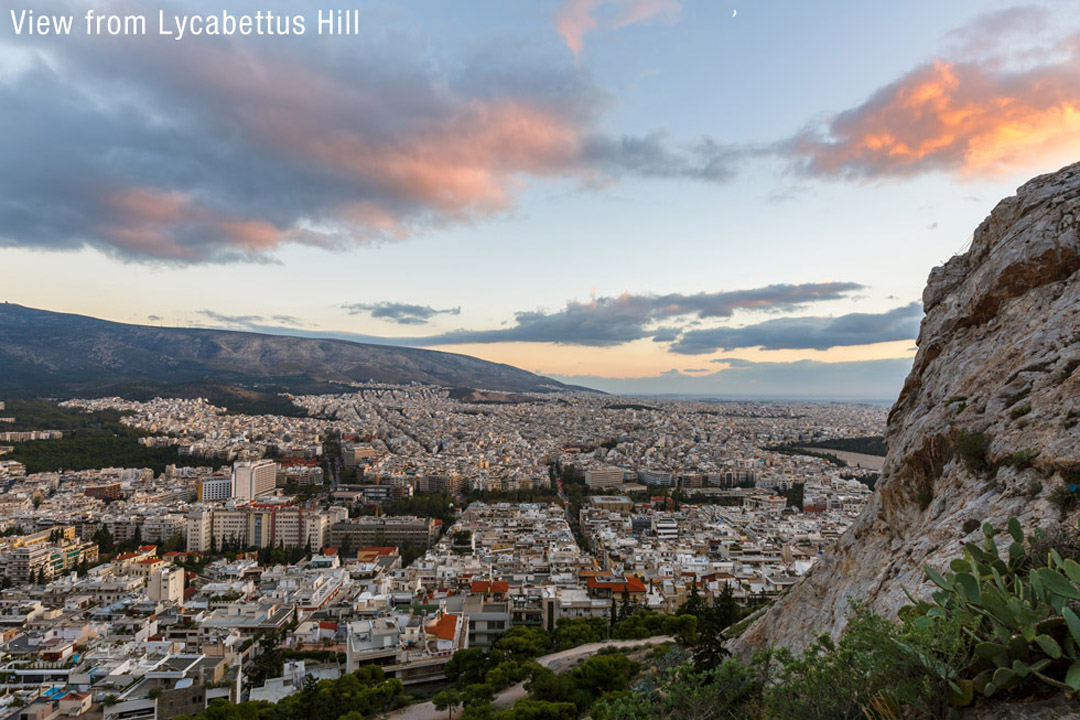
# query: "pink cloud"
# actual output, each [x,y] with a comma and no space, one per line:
[154,222]
[575,18]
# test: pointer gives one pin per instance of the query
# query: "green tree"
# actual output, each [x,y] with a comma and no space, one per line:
[447,700]
[466,666]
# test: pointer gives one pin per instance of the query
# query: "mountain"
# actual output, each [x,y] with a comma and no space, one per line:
[985,427]
[57,354]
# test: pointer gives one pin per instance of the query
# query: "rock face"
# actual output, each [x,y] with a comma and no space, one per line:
[998,359]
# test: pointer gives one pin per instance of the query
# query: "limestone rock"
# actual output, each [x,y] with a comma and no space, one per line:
[999,352]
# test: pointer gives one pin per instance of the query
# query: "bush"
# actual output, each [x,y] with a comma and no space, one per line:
[973,449]
[1021,459]
[1019,412]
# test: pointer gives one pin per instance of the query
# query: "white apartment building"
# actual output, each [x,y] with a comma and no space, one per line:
[250,479]
[166,585]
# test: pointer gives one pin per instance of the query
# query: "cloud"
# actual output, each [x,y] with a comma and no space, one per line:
[575,18]
[608,321]
[809,333]
[991,31]
[876,380]
[968,117]
[146,149]
[652,156]
[401,313]
[245,321]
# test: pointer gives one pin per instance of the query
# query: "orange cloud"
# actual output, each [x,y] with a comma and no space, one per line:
[161,224]
[966,118]
[574,18]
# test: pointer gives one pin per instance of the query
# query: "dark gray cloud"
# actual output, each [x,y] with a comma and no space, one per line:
[401,313]
[876,380]
[150,150]
[245,321]
[608,321]
[807,333]
[653,156]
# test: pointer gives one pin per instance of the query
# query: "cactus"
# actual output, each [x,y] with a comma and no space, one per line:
[1018,617]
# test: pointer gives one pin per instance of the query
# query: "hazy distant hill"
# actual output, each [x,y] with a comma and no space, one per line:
[57,354]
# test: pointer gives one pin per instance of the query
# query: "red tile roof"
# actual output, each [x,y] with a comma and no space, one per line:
[445,628]
[493,586]
[630,584]
[380,550]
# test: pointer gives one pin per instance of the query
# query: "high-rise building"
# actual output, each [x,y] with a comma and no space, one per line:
[216,489]
[250,479]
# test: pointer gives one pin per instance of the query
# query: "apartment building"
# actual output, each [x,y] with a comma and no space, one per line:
[253,478]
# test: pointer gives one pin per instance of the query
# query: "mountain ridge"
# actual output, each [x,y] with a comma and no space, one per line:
[49,353]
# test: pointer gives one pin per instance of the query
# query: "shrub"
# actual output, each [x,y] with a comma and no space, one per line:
[1021,459]
[1019,412]
[1066,496]
[974,450]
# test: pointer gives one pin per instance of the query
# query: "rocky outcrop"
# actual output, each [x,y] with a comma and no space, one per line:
[986,426]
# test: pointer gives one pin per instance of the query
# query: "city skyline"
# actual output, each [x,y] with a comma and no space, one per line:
[642,196]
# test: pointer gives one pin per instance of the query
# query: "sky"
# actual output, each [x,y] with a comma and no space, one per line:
[641,196]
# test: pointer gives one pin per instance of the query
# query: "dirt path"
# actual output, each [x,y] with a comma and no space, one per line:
[558,662]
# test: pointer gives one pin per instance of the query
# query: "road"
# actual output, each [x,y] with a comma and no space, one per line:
[557,662]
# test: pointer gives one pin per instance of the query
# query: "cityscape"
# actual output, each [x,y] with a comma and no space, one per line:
[121,581]
[548,360]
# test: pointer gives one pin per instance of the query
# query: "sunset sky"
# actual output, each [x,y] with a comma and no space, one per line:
[643,196]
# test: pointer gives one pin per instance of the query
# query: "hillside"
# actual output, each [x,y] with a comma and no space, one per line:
[55,354]
[985,426]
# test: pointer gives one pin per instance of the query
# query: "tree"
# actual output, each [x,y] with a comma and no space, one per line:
[466,666]
[104,539]
[795,496]
[447,700]
[478,694]
[694,605]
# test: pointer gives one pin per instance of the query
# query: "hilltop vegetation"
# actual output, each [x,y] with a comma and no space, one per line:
[999,628]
